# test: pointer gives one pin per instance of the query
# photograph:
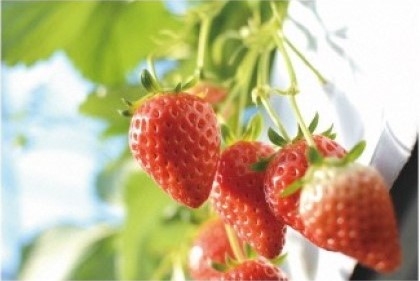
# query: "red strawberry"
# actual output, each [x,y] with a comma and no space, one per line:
[211,93]
[255,270]
[176,139]
[288,165]
[238,197]
[210,245]
[349,209]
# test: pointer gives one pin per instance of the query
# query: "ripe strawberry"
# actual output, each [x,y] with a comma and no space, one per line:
[210,245]
[288,165]
[238,197]
[211,93]
[176,139]
[255,270]
[349,209]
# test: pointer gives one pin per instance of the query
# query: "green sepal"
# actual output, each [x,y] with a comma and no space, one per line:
[125,113]
[292,188]
[149,82]
[126,102]
[329,132]
[254,128]
[279,260]
[249,252]
[227,135]
[229,262]
[355,152]
[261,164]
[275,138]
[178,88]
[190,83]
[314,123]
[314,157]
[299,133]
[218,266]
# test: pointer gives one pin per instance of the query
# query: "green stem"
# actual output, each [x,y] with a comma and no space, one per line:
[293,89]
[234,244]
[320,77]
[278,38]
[305,131]
[244,80]
[262,79]
[202,42]
[151,66]
[274,117]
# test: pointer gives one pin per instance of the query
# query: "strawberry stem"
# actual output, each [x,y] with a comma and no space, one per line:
[234,244]
[293,88]
[202,43]
[262,88]
[320,77]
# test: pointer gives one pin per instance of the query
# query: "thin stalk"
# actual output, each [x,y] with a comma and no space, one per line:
[293,89]
[262,79]
[320,77]
[234,244]
[305,131]
[290,70]
[151,66]
[274,117]
[202,43]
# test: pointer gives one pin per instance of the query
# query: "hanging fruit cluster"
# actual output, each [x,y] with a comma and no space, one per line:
[191,140]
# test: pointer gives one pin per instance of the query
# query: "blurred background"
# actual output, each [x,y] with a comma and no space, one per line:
[74,204]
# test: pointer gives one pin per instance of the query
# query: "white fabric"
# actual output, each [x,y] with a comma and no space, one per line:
[377,103]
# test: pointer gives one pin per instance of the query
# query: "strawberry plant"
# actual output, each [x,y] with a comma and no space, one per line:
[254,188]
[208,197]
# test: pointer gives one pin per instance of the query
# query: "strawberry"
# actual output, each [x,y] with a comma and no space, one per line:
[210,245]
[349,209]
[288,165]
[210,92]
[176,139]
[238,197]
[255,270]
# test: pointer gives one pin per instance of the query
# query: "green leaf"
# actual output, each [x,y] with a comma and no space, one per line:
[293,187]
[98,263]
[104,39]
[254,128]
[104,103]
[145,238]
[275,138]
[314,157]
[355,152]
[314,123]
[62,249]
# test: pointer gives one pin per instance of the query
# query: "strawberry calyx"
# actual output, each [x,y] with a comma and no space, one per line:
[276,139]
[317,161]
[230,263]
[251,132]
[153,88]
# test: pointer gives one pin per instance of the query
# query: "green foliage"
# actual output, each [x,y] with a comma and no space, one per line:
[65,250]
[104,102]
[104,39]
[146,238]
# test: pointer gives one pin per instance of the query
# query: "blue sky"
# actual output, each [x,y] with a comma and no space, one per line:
[50,179]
